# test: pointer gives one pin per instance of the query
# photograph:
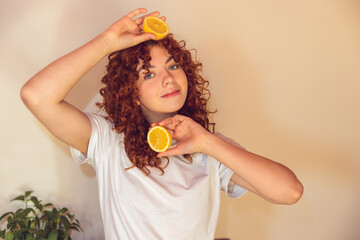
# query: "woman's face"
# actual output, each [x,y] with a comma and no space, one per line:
[163,90]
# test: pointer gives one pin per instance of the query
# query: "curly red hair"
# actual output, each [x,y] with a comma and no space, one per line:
[120,97]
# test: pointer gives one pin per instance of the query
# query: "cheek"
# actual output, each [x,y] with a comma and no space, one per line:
[181,78]
[146,93]
[185,81]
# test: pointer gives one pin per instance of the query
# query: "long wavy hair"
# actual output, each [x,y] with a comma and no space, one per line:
[120,98]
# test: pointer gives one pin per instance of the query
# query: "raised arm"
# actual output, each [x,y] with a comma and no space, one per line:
[269,179]
[44,93]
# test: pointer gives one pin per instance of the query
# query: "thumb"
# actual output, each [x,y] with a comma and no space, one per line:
[170,152]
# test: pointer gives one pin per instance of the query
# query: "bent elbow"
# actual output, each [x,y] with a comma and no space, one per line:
[290,196]
[27,96]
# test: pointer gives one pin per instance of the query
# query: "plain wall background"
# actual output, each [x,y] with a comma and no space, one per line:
[284,76]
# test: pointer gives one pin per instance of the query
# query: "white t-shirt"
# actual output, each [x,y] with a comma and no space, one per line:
[181,204]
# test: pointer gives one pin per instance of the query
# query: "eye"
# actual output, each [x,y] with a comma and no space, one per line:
[174,67]
[149,75]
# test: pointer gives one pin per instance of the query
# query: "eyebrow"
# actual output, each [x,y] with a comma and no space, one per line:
[151,66]
[169,59]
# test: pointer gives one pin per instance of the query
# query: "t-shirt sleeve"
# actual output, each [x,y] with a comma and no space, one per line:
[231,189]
[99,131]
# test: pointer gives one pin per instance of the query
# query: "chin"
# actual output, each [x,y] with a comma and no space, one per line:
[173,109]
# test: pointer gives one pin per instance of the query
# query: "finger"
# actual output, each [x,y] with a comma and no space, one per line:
[165,122]
[154,124]
[171,131]
[172,122]
[144,37]
[136,12]
[169,124]
[179,117]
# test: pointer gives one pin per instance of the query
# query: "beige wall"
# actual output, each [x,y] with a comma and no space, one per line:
[285,78]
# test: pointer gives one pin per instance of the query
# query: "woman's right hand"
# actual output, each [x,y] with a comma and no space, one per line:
[127,31]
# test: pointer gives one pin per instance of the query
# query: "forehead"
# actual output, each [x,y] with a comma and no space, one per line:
[158,55]
[157,51]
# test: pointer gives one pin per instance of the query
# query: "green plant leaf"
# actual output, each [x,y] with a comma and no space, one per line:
[55,211]
[65,234]
[65,222]
[48,205]
[26,212]
[70,216]
[28,193]
[9,236]
[18,211]
[6,214]
[47,229]
[38,221]
[35,200]
[40,207]
[30,236]
[74,228]
[2,234]
[10,222]
[48,215]
[27,222]
[12,227]
[18,235]
[63,210]
[18,198]
[32,224]
[77,225]
[53,235]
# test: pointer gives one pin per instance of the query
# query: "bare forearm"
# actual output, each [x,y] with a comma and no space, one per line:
[53,83]
[271,180]
[44,93]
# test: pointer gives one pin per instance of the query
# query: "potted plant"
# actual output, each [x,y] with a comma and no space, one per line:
[38,221]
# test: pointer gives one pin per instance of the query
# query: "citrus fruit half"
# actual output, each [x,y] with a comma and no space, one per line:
[159,139]
[156,26]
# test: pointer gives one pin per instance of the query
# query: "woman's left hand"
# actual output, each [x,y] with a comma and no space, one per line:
[190,136]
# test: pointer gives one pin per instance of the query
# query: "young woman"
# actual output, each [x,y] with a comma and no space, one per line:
[145,195]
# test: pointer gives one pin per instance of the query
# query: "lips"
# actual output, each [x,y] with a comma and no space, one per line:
[171,94]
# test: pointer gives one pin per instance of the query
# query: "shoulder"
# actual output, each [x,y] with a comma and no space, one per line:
[97,117]
[101,125]
[99,120]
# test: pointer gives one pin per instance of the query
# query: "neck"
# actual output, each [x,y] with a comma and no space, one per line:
[153,117]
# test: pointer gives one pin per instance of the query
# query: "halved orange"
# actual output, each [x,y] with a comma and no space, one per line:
[159,139]
[156,26]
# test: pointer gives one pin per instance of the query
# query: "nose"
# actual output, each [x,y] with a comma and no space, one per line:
[168,78]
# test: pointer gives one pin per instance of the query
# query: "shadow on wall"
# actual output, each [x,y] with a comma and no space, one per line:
[314,162]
